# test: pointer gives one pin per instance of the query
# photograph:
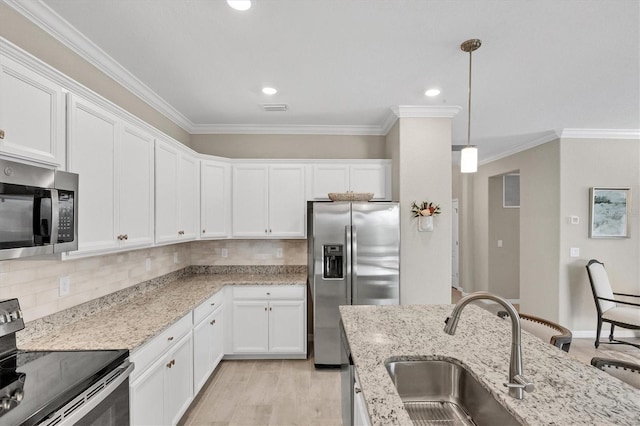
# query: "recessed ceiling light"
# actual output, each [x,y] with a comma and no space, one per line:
[239,4]
[269,91]
[432,92]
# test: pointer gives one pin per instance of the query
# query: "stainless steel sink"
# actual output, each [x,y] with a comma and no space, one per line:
[445,393]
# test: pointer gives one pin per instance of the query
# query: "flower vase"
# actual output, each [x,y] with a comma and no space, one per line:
[425,223]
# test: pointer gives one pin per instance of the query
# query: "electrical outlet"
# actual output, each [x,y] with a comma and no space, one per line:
[279,252]
[147,264]
[499,243]
[575,252]
[65,286]
[574,220]
[224,252]
[175,257]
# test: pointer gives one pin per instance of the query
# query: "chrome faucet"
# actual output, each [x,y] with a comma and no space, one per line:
[517,383]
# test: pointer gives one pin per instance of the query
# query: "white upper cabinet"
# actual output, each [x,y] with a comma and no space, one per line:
[374,176]
[269,200]
[93,138]
[114,161]
[135,168]
[32,115]
[177,193]
[215,199]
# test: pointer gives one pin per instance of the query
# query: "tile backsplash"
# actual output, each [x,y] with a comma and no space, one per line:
[36,283]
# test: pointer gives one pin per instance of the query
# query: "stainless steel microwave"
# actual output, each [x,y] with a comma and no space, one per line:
[38,210]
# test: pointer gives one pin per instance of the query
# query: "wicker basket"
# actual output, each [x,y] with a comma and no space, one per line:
[350,196]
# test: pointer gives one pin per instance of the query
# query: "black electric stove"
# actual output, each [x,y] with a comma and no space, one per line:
[37,387]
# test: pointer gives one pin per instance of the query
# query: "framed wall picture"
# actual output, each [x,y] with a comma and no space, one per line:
[610,211]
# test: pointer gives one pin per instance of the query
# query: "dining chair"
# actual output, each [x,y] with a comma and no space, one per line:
[628,372]
[546,330]
[627,316]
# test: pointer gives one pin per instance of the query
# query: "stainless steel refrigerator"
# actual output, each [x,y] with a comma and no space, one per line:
[354,259]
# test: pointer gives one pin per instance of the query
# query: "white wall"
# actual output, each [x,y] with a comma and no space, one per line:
[425,174]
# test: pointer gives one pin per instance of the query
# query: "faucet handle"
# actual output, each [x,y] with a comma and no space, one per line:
[520,383]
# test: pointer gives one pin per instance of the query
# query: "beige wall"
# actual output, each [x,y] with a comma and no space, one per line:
[36,282]
[539,227]
[425,174]
[554,180]
[587,163]
[290,146]
[392,151]
[24,34]
[504,262]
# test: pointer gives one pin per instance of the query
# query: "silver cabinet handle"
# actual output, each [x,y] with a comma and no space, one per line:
[212,322]
[170,338]
[203,231]
[171,363]
[1,134]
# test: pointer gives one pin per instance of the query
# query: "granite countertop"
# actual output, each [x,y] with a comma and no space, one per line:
[567,391]
[130,323]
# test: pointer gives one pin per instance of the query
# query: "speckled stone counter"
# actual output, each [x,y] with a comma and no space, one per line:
[567,392]
[129,319]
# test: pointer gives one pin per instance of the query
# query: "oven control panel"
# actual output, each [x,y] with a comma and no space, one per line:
[10,317]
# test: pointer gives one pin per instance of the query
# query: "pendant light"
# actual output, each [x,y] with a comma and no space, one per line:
[469,154]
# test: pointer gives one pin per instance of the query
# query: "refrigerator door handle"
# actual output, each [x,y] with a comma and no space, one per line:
[347,236]
[354,265]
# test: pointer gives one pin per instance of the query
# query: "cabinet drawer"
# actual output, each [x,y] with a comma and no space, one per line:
[159,345]
[208,306]
[269,292]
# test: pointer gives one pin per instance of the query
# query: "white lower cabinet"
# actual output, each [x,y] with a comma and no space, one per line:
[208,347]
[269,320]
[162,394]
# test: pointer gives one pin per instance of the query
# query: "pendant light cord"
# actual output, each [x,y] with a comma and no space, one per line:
[469,122]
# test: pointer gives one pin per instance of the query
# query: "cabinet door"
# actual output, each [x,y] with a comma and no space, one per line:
[147,397]
[202,353]
[93,134]
[135,187]
[287,204]
[32,115]
[178,380]
[329,178]
[371,178]
[250,201]
[215,199]
[217,350]
[250,326]
[166,192]
[287,328]
[188,196]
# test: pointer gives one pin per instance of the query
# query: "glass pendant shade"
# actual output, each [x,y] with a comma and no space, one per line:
[469,159]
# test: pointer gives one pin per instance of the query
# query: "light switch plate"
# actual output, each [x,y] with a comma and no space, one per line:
[499,243]
[224,252]
[279,252]
[147,264]
[575,252]
[175,257]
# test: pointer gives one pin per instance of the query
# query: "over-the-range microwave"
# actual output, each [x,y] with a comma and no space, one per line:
[38,210]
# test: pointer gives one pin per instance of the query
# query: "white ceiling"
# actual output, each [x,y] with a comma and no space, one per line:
[340,65]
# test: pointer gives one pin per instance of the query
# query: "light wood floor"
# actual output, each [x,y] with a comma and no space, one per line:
[293,392]
[283,392]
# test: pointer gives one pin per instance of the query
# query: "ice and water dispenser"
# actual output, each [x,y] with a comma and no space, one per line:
[333,261]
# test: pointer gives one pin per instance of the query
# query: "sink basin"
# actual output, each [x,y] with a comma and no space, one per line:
[445,393]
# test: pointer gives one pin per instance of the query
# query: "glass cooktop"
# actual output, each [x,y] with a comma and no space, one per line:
[35,384]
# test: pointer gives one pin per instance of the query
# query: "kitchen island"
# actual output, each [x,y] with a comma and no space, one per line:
[566,391]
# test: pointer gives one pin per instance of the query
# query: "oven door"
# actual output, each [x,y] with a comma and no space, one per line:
[106,403]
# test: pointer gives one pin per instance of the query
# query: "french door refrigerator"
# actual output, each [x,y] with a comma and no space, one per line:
[354,259]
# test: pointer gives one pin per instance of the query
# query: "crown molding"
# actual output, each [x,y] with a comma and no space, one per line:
[288,129]
[425,111]
[547,137]
[599,133]
[61,30]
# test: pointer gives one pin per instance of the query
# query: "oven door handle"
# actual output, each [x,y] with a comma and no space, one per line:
[81,405]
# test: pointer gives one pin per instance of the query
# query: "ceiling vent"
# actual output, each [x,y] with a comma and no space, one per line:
[274,107]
